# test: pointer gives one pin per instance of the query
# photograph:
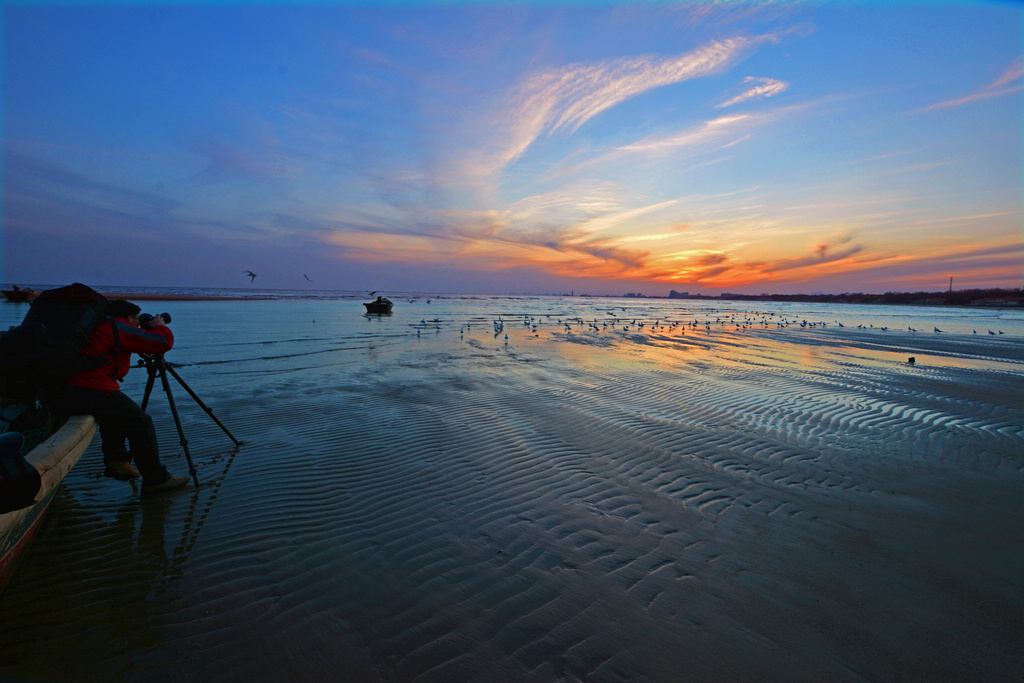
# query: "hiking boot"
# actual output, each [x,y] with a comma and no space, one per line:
[167,484]
[121,470]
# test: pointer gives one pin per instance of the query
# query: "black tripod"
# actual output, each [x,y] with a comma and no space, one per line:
[157,367]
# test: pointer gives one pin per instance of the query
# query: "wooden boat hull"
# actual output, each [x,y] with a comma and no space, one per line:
[54,458]
[378,308]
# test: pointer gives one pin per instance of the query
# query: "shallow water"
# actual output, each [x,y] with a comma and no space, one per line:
[420,498]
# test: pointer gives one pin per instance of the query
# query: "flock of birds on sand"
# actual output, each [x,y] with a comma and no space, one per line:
[745,323]
[735,322]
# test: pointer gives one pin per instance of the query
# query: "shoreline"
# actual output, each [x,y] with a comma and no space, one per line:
[138,296]
[978,303]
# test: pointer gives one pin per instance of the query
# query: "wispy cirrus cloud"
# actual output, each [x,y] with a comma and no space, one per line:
[32,180]
[757,88]
[707,136]
[562,100]
[485,241]
[1014,72]
[703,133]
[1009,82]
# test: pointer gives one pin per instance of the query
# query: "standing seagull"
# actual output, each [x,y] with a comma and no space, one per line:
[252,275]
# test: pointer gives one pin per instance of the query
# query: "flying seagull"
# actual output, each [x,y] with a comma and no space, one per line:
[306,276]
[252,275]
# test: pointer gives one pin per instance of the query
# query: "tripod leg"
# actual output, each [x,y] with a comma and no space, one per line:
[201,404]
[149,387]
[181,430]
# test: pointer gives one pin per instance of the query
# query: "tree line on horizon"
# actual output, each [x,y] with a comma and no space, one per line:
[960,297]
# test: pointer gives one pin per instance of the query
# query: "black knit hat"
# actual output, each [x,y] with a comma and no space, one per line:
[122,309]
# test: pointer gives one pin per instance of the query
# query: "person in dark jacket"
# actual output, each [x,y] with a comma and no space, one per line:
[98,393]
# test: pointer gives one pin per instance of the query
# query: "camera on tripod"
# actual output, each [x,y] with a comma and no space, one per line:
[156,367]
[146,319]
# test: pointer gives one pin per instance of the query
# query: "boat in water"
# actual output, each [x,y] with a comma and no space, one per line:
[19,295]
[380,306]
[53,459]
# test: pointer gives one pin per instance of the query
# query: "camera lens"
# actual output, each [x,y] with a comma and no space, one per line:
[146,319]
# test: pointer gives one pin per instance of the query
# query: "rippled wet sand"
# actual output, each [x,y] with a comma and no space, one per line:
[421,500]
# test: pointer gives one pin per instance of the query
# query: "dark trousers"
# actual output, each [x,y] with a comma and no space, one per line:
[120,419]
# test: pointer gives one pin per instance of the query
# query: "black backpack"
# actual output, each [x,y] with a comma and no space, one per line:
[45,350]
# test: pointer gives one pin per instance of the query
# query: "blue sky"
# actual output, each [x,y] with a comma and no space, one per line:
[524,147]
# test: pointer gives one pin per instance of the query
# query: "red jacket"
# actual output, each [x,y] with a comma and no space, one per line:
[130,339]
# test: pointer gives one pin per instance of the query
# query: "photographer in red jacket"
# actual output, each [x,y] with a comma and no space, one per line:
[98,393]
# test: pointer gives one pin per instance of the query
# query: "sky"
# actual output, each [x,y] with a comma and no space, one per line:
[522,147]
